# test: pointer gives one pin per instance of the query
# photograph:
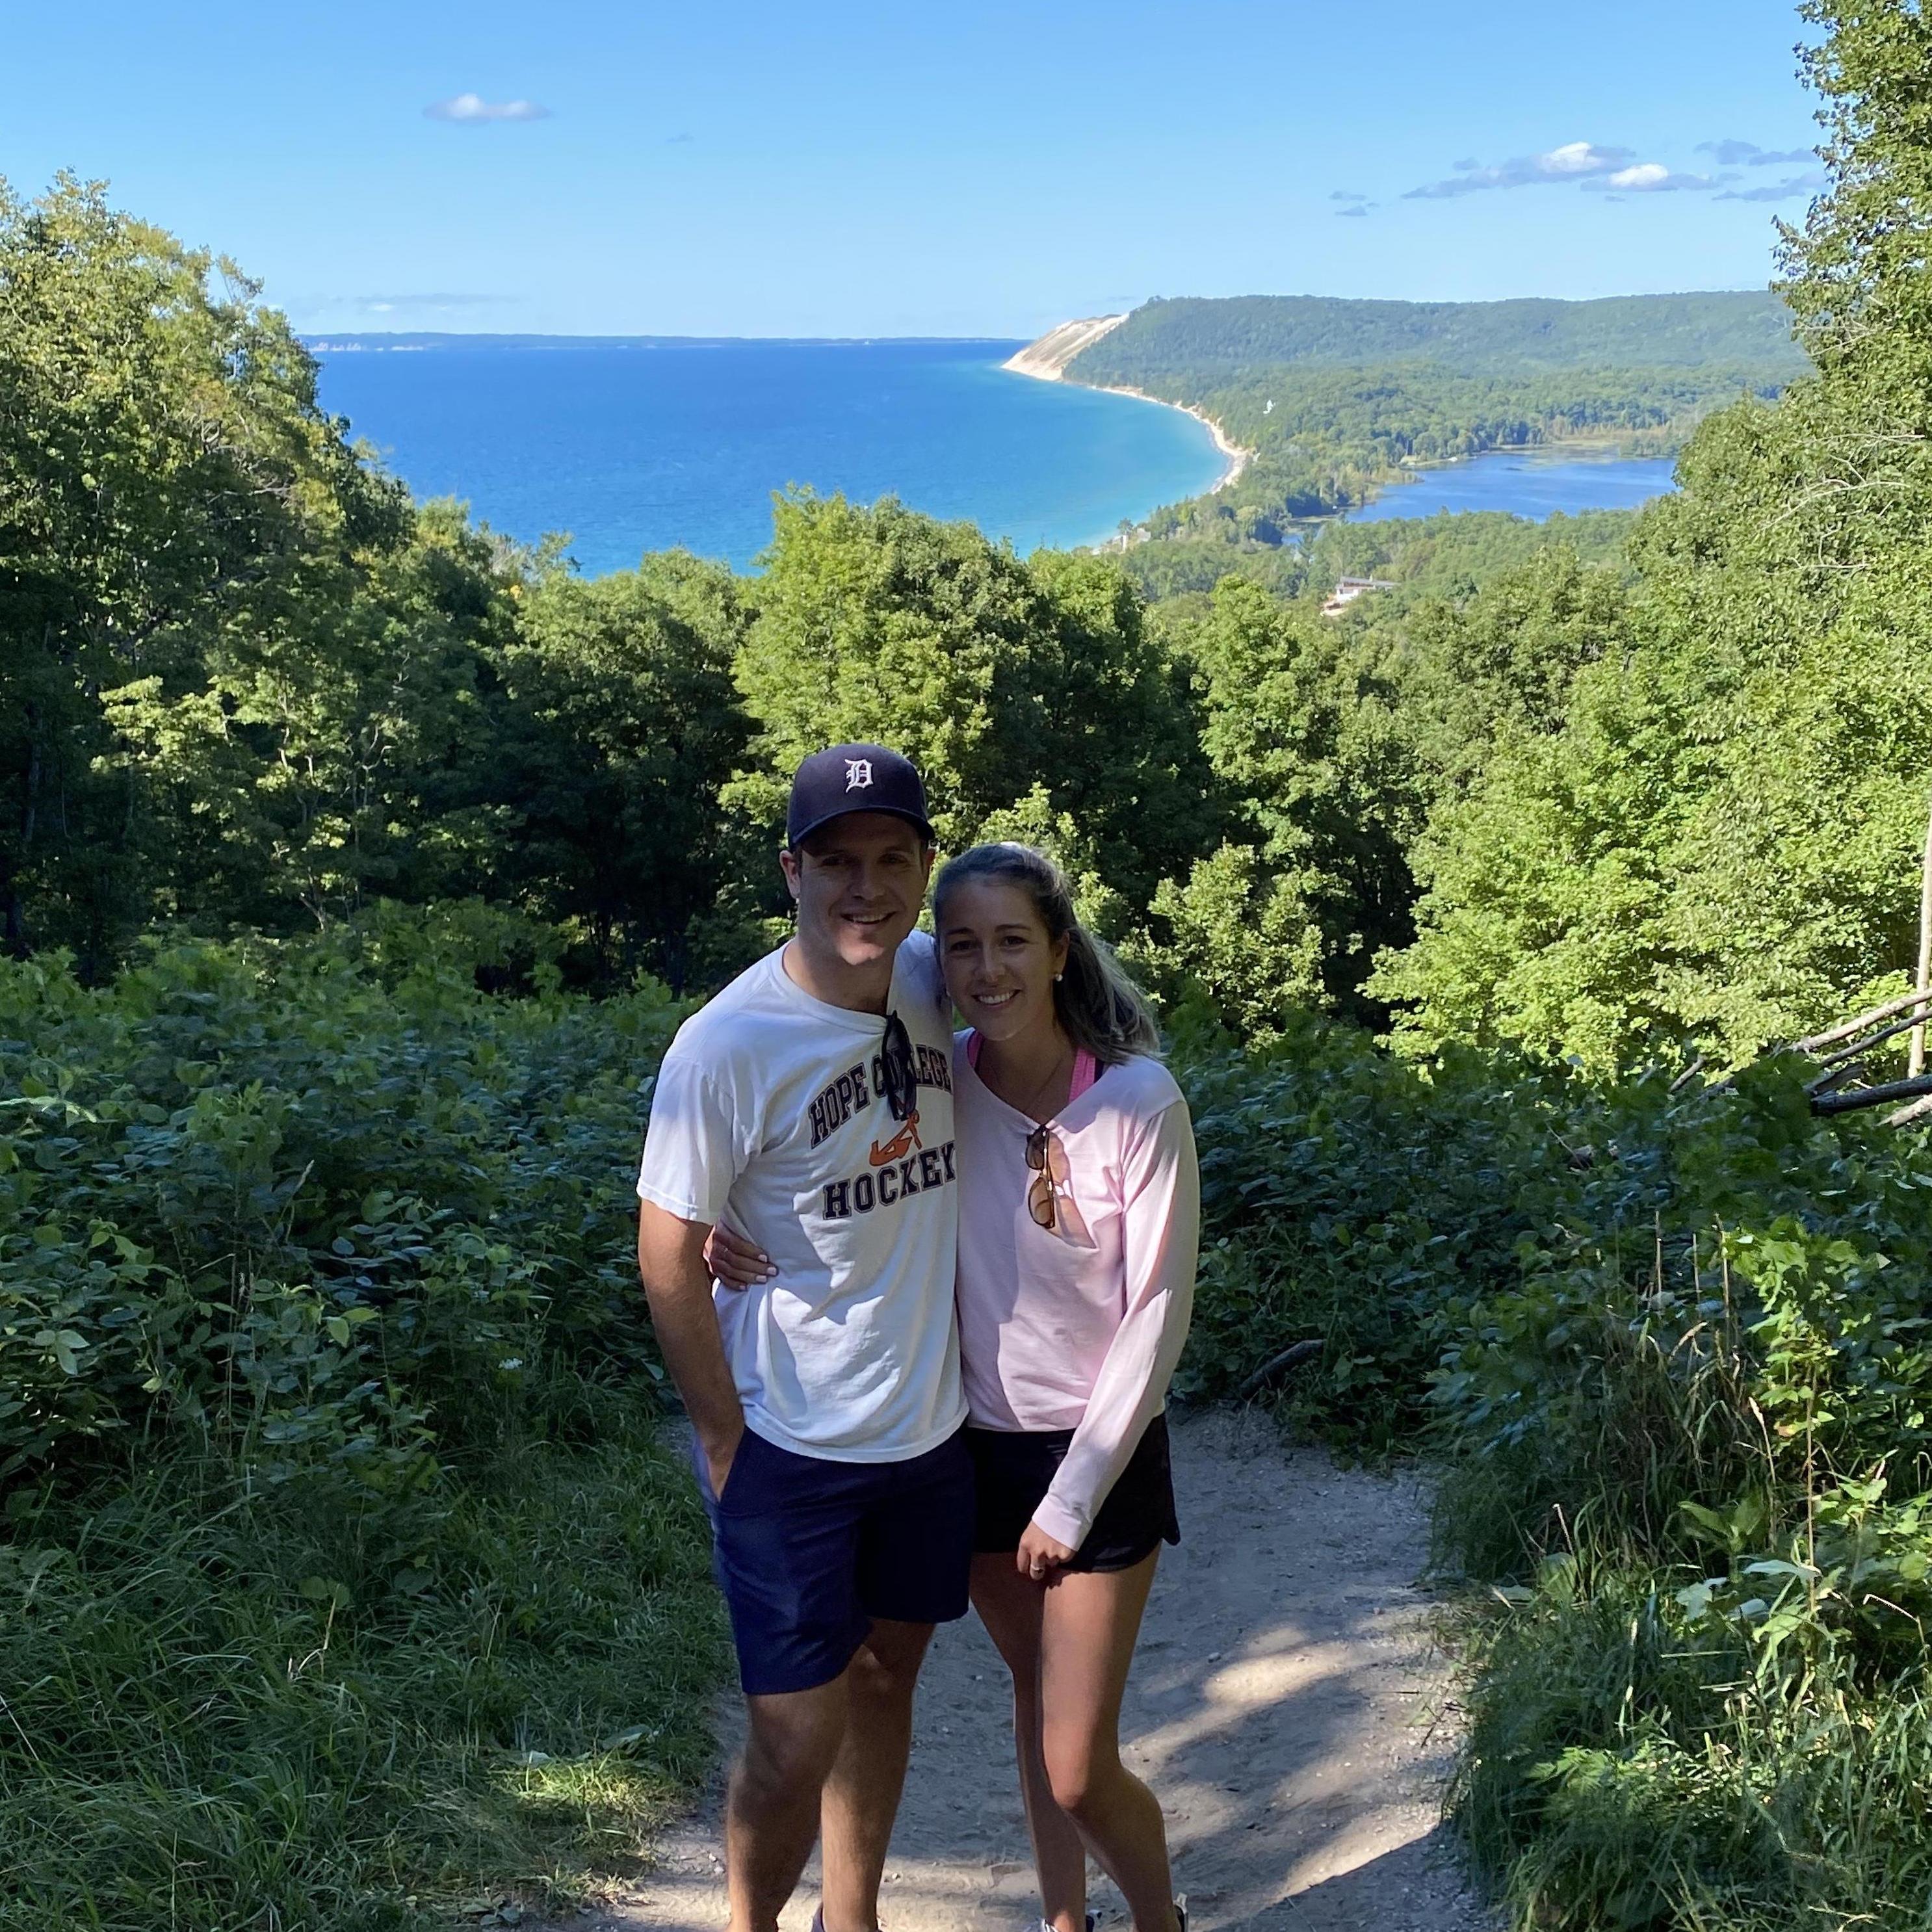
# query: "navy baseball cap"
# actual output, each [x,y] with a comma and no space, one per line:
[854,778]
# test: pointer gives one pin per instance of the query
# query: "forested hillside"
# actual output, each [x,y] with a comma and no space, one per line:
[353,863]
[1334,396]
[1164,339]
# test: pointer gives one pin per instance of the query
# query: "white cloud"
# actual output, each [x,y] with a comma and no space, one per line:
[472,108]
[1356,207]
[1728,154]
[437,304]
[1343,194]
[1575,160]
[1654,178]
[1814,182]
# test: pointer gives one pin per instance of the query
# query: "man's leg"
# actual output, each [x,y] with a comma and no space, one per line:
[771,1813]
[915,1551]
[861,1796]
[786,1545]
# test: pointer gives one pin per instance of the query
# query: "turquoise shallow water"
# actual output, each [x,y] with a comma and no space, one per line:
[1526,483]
[639,446]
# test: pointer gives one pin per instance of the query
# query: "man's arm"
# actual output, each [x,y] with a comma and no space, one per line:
[677,1284]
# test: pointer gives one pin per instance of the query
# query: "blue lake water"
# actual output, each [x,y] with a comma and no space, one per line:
[644,445]
[1529,483]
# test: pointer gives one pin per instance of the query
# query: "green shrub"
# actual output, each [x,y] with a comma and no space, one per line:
[1673,1350]
[340,1572]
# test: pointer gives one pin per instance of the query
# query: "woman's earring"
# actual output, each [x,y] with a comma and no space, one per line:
[1058,977]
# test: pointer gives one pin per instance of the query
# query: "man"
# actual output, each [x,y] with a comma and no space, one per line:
[811,1103]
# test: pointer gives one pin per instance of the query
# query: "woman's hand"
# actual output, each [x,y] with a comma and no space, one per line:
[1040,1555]
[735,1261]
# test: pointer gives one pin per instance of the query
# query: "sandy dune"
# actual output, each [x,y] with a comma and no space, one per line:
[1048,358]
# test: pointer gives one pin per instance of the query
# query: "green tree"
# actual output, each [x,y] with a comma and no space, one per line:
[881,624]
[993,675]
[620,728]
[1304,732]
[166,486]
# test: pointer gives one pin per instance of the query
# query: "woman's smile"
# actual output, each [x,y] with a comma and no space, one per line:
[999,962]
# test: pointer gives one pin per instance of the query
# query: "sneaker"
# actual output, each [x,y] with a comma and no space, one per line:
[1037,1925]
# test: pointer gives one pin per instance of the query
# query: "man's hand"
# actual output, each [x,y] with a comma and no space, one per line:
[719,1457]
[1040,1555]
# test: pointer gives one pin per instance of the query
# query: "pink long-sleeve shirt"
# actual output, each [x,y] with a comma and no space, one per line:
[1079,1326]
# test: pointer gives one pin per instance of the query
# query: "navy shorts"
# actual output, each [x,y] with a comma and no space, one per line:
[808,1551]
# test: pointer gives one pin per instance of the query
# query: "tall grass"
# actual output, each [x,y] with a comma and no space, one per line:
[342,1576]
[229,1705]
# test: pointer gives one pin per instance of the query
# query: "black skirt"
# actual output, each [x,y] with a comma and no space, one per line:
[1013,1471]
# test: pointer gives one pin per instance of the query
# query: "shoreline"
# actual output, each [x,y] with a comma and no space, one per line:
[1237,456]
[1045,361]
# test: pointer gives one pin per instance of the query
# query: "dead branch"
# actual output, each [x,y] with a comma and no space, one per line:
[1859,1048]
[1845,1029]
[1277,1365]
[1689,1074]
[1871,1096]
[1829,1082]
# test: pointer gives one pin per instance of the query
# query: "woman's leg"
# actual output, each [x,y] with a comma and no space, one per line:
[1089,1625]
[1009,1607]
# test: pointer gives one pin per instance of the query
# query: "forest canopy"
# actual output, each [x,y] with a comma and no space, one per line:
[1336,399]
[1605,786]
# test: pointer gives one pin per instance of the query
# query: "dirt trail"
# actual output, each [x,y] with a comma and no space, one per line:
[1287,1707]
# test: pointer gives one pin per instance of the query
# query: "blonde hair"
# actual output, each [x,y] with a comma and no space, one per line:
[1101,1009]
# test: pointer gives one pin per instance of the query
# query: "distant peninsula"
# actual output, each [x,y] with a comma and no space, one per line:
[1321,402]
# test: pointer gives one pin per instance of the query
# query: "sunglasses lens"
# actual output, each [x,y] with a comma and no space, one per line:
[902,1078]
[1039,1202]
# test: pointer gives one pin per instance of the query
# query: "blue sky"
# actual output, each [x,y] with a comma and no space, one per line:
[840,168]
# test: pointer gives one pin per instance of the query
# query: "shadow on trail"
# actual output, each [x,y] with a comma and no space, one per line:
[1286,1707]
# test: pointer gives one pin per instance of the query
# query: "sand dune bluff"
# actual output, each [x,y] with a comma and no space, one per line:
[1048,357]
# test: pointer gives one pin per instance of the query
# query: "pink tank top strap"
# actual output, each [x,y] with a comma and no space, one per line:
[1086,1069]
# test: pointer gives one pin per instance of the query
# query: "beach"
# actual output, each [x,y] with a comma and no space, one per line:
[1046,361]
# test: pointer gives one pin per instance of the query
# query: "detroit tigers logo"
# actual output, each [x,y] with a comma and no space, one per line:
[858,774]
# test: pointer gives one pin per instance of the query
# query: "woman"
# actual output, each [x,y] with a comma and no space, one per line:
[1078,1214]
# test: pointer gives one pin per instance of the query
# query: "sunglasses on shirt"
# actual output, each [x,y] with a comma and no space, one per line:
[1042,1195]
[899,1069]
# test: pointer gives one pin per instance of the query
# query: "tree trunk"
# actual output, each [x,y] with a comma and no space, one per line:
[1923,984]
[12,910]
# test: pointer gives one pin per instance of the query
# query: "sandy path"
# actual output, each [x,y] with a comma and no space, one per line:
[1287,1707]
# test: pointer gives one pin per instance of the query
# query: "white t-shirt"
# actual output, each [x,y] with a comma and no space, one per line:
[769,1114]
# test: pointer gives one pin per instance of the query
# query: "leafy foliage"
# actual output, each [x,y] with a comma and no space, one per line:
[1334,397]
[992,674]
[326,1415]
[1674,1349]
